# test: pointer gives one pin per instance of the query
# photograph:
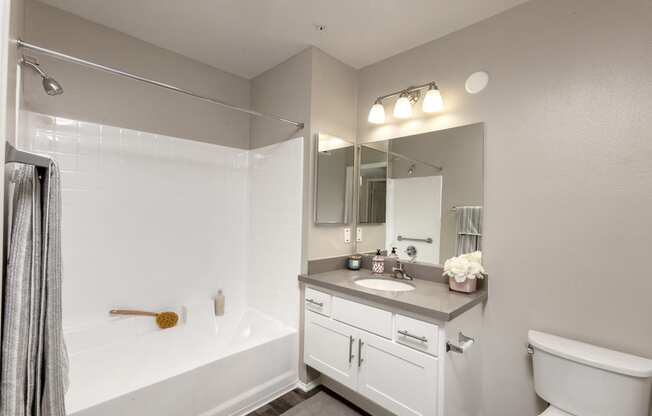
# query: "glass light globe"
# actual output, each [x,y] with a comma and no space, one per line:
[377,113]
[403,108]
[433,102]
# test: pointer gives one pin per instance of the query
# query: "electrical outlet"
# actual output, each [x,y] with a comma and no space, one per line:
[358,234]
[347,235]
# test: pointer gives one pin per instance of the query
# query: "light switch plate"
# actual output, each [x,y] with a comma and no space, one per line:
[347,235]
[358,234]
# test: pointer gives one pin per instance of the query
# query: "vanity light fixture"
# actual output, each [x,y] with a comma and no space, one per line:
[432,103]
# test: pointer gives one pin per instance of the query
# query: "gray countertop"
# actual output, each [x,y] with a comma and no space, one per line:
[429,299]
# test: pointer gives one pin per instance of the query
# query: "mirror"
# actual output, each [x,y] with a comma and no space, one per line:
[433,194]
[373,185]
[334,176]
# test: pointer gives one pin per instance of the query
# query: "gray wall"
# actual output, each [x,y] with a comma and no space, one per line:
[283,90]
[99,97]
[460,152]
[568,181]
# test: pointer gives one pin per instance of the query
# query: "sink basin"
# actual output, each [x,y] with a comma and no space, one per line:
[388,285]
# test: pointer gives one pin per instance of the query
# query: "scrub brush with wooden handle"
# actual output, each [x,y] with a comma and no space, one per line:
[164,320]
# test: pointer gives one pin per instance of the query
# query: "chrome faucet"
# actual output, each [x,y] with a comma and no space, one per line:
[399,273]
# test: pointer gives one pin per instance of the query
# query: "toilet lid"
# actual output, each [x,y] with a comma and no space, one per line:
[553,411]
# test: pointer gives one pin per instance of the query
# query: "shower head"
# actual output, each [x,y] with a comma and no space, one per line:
[50,85]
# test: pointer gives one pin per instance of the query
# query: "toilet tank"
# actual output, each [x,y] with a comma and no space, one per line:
[586,380]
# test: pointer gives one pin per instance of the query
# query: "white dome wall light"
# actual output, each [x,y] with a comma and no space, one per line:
[377,113]
[433,102]
[403,107]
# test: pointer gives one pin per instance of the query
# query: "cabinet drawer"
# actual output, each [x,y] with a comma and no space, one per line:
[317,301]
[362,316]
[417,334]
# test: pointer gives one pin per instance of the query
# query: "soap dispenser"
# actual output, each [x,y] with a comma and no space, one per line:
[378,263]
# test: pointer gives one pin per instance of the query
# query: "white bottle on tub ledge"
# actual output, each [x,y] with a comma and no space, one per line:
[219,303]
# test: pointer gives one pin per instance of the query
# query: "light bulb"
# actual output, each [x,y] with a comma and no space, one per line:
[403,108]
[432,102]
[377,113]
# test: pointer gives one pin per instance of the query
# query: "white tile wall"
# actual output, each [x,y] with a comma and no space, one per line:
[155,222]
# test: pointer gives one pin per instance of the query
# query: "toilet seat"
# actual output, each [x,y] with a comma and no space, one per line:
[553,411]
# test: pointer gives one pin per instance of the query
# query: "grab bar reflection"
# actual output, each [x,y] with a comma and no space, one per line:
[424,240]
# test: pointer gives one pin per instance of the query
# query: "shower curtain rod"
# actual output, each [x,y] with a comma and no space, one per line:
[115,71]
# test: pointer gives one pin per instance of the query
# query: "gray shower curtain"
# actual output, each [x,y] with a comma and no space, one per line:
[34,362]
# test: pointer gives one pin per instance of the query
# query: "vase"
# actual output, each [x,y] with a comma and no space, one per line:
[467,286]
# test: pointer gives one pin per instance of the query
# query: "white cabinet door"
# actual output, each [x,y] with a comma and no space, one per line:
[398,378]
[329,347]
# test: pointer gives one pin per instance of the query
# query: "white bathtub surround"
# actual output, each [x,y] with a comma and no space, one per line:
[159,223]
[275,216]
[149,221]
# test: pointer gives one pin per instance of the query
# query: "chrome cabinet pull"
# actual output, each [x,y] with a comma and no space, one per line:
[351,339]
[405,333]
[314,302]
[360,344]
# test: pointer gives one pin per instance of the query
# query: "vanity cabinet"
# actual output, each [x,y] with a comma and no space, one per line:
[389,358]
[329,347]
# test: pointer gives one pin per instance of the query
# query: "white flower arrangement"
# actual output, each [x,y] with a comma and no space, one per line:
[466,266]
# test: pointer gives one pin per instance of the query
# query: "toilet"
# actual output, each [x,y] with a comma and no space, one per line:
[579,379]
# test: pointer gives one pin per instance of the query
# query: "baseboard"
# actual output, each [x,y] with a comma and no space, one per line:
[248,402]
[270,391]
[306,387]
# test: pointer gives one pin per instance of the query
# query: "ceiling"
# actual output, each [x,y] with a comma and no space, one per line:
[247,37]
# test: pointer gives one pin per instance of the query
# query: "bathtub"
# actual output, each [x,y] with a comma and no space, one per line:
[207,365]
